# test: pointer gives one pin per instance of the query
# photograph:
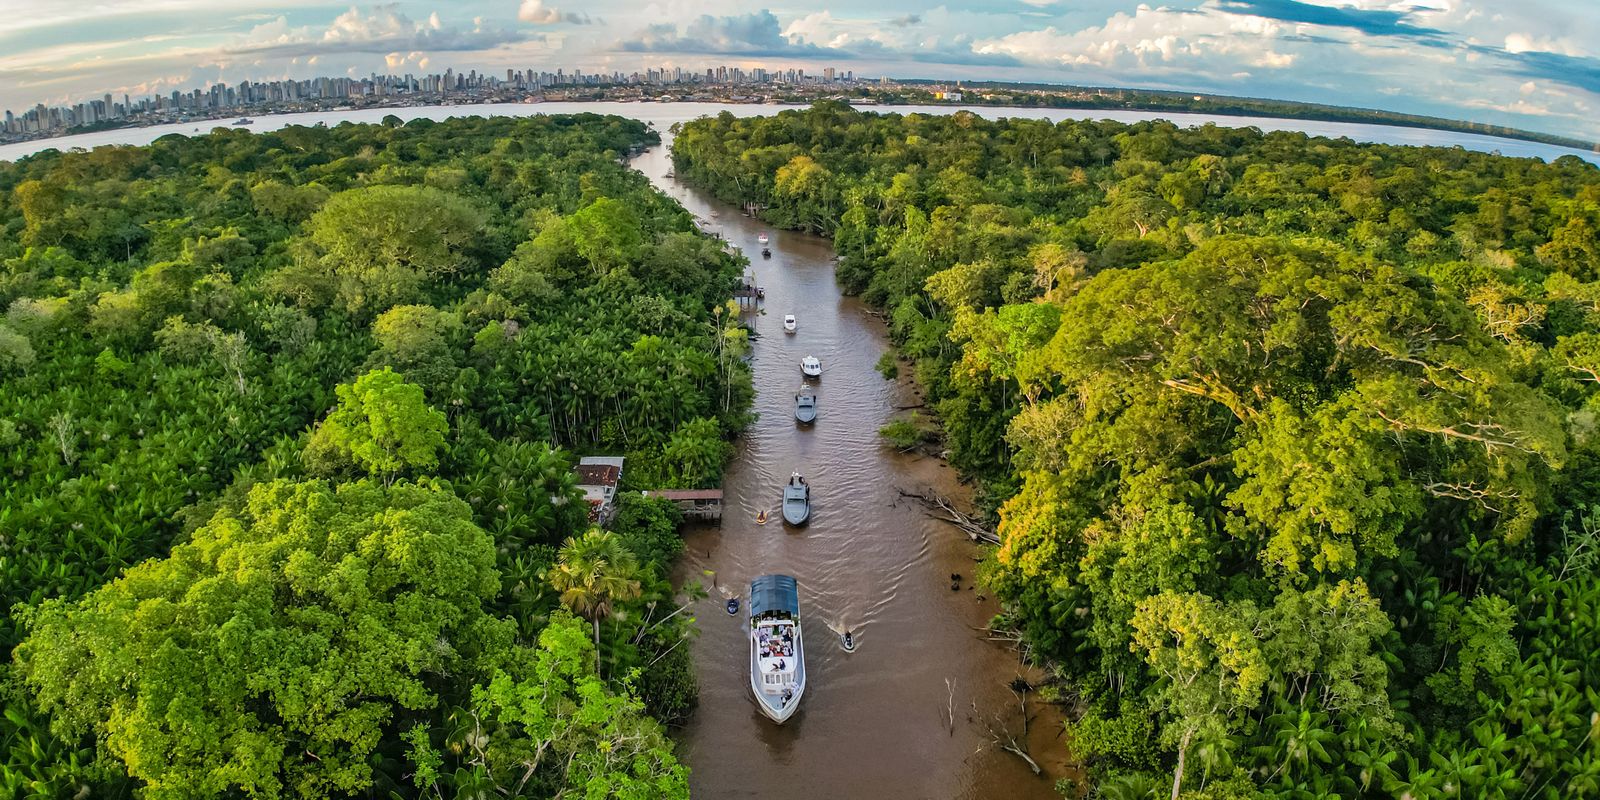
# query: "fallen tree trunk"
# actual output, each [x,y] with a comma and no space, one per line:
[939,507]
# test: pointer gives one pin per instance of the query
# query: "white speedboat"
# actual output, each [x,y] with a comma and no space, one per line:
[762,238]
[805,405]
[797,501]
[811,367]
[789,323]
[777,655]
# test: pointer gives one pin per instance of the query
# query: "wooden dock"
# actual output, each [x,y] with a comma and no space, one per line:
[696,504]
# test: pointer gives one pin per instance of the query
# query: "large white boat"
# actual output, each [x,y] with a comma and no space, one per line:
[811,366]
[789,323]
[777,656]
[762,237]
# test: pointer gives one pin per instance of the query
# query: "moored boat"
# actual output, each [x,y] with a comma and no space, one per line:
[797,500]
[805,405]
[811,366]
[777,654]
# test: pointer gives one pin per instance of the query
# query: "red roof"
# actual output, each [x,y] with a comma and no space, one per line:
[597,474]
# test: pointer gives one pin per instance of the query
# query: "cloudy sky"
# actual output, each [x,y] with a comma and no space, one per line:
[1528,63]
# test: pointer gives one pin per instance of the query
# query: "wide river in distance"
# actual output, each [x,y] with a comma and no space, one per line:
[665,114]
[914,712]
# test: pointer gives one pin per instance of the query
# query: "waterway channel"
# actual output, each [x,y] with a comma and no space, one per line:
[914,711]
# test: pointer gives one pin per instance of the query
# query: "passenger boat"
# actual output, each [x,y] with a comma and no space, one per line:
[805,405]
[797,500]
[762,238]
[789,323]
[243,121]
[777,654]
[811,367]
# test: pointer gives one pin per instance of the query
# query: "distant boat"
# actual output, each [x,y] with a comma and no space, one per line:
[762,237]
[789,323]
[797,500]
[811,366]
[243,121]
[805,405]
[777,652]
[733,606]
[766,252]
[848,641]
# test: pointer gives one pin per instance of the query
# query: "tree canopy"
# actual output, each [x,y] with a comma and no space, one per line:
[1289,440]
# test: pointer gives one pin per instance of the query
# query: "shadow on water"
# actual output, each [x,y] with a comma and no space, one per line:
[912,712]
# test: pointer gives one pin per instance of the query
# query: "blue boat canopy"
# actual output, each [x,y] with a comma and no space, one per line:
[774,593]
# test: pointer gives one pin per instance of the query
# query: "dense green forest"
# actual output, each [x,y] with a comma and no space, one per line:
[287,427]
[1291,441]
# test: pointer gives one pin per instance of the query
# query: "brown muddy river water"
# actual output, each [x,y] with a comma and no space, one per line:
[874,723]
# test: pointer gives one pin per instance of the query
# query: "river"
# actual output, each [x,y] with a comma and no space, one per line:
[876,722]
[665,114]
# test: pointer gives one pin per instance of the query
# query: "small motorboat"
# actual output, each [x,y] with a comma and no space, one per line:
[789,323]
[766,252]
[243,121]
[805,405]
[797,500]
[847,640]
[733,606]
[777,653]
[762,237]
[761,292]
[761,517]
[811,367]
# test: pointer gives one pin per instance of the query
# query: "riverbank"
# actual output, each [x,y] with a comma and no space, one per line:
[664,115]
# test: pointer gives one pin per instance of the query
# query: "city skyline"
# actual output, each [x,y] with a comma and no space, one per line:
[1535,66]
[215,98]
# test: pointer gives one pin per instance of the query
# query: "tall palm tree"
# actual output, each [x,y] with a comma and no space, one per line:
[593,573]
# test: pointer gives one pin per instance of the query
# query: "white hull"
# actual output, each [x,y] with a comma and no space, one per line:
[772,704]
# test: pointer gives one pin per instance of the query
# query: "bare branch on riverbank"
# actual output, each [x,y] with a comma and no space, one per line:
[1000,735]
[939,507]
[950,706]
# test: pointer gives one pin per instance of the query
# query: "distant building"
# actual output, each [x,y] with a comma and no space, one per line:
[953,97]
[598,477]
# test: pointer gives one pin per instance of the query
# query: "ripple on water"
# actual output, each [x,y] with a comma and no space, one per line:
[874,723]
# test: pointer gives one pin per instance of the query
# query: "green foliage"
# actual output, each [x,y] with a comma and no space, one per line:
[551,728]
[380,245]
[1285,434]
[303,622]
[907,432]
[194,307]
[382,424]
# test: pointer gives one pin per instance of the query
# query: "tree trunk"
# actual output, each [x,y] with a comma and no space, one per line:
[1177,775]
[596,622]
